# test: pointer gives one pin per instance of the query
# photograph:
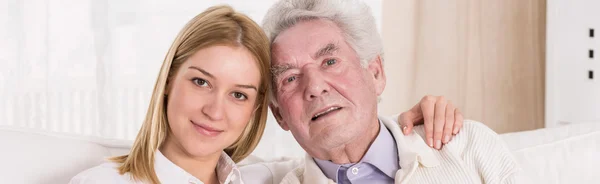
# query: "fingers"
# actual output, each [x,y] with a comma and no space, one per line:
[410,118]
[458,121]
[428,108]
[439,121]
[449,124]
[406,122]
[441,118]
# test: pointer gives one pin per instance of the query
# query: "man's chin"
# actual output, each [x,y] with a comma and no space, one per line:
[326,126]
[331,137]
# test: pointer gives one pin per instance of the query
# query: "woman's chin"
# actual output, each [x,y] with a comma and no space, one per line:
[203,151]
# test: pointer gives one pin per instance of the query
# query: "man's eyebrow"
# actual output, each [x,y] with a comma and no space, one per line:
[277,70]
[203,71]
[327,50]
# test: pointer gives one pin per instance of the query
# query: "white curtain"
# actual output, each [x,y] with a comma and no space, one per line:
[88,67]
[487,57]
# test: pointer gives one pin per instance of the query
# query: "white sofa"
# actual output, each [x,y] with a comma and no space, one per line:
[568,154]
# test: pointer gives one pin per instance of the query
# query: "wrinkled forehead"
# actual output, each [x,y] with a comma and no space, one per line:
[305,38]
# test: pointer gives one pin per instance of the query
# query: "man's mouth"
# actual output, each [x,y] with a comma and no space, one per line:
[324,113]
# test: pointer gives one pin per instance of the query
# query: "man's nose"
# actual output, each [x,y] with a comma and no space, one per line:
[315,83]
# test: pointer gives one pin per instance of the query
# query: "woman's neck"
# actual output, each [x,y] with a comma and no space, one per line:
[203,168]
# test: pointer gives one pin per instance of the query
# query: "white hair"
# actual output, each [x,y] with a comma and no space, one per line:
[353,17]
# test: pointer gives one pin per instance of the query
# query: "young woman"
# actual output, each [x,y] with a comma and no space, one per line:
[208,108]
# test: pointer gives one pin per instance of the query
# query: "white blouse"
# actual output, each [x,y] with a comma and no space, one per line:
[166,171]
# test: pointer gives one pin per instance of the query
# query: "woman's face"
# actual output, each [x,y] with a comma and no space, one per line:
[211,99]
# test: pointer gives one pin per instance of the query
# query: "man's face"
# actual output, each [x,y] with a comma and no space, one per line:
[325,96]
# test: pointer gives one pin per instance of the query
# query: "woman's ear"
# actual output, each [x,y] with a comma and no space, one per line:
[167,88]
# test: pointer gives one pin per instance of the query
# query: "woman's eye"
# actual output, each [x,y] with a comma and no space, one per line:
[330,62]
[239,96]
[200,82]
[291,79]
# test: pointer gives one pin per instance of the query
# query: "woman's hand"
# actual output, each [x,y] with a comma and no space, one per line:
[441,118]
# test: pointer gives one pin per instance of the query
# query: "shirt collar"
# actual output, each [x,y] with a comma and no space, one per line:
[411,147]
[168,172]
[329,168]
[382,153]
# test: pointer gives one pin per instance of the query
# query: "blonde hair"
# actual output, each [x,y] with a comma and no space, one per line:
[219,25]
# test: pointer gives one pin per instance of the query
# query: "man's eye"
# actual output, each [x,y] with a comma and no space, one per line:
[291,79]
[239,96]
[330,62]
[200,82]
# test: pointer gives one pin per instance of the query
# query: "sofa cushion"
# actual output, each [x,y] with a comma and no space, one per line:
[566,154]
[30,156]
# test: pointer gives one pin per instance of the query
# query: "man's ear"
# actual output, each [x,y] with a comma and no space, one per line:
[375,68]
[278,118]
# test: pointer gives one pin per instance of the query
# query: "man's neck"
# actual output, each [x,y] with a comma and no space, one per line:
[354,150]
[202,168]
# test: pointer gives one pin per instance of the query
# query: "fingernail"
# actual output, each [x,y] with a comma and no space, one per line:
[455,130]
[430,142]
[438,144]
[446,139]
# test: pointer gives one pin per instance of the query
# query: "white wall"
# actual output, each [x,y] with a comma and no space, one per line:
[572,97]
[399,33]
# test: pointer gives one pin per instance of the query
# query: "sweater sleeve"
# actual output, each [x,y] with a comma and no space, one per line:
[490,156]
[516,178]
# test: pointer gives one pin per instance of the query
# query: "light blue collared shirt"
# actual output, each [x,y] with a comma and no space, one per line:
[378,165]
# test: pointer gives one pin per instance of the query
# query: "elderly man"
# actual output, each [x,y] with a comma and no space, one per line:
[328,74]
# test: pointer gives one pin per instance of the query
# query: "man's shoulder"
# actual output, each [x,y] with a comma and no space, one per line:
[470,128]
[474,130]
[475,126]
[471,136]
[474,137]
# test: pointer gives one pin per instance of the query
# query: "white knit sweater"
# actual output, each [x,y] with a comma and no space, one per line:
[475,155]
